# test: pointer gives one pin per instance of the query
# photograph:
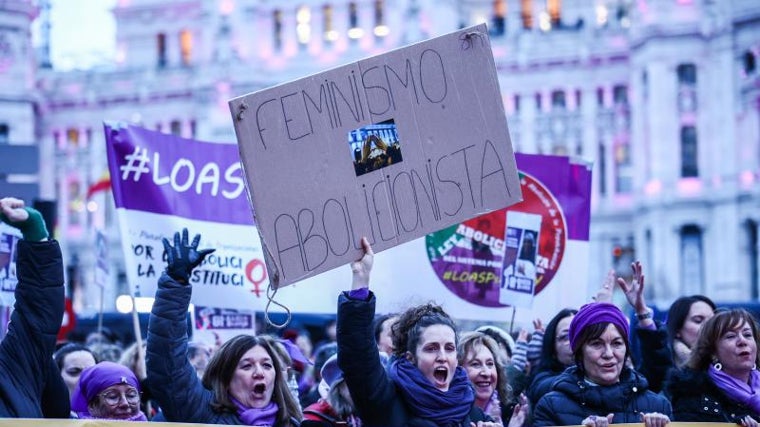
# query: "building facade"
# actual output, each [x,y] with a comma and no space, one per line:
[663,96]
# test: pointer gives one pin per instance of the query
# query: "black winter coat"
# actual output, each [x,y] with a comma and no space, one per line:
[541,384]
[27,349]
[656,356]
[695,397]
[573,399]
[372,390]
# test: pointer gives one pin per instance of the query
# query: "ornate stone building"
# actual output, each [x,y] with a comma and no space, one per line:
[662,95]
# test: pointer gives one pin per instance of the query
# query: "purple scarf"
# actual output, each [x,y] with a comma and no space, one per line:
[256,416]
[444,408]
[738,391]
[140,416]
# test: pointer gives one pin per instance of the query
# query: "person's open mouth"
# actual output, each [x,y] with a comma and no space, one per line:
[259,389]
[441,374]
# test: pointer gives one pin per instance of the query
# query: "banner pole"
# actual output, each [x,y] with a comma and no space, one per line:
[512,322]
[100,312]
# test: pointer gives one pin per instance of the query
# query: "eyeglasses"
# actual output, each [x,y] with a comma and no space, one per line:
[113,397]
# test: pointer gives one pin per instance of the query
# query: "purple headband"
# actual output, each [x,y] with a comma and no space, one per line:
[593,313]
[97,378]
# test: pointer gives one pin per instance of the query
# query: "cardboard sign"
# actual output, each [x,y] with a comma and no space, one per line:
[391,147]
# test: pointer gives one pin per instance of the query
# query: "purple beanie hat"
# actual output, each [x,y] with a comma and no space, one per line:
[97,378]
[593,313]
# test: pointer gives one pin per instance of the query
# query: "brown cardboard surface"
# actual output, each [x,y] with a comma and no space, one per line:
[312,203]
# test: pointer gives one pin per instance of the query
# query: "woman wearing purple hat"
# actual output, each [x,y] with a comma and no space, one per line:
[107,390]
[600,389]
[244,382]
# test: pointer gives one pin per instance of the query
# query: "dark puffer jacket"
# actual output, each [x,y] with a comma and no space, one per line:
[695,397]
[27,349]
[574,399]
[372,390]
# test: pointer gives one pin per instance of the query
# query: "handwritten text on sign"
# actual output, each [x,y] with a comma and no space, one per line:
[391,147]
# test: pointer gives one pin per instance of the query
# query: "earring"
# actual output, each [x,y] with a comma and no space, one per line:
[718,366]
[754,367]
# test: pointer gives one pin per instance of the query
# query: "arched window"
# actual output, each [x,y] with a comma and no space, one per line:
[687,74]
[381,29]
[329,34]
[558,99]
[303,25]
[354,31]
[526,13]
[749,62]
[691,260]
[554,8]
[161,50]
[186,46]
[689,152]
[277,29]
[498,21]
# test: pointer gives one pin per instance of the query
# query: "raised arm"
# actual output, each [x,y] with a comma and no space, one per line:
[174,383]
[358,357]
[27,348]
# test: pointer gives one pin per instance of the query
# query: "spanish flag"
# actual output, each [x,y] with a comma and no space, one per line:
[102,184]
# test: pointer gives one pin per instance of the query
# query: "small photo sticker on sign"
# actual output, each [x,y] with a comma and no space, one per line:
[374,147]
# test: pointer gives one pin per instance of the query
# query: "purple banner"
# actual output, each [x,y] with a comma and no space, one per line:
[570,184]
[170,175]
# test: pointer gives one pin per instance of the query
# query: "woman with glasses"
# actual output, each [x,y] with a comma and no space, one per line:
[108,391]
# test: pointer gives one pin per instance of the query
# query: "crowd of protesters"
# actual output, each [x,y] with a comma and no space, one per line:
[413,368]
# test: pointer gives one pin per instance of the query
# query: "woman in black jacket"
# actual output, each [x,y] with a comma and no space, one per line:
[556,355]
[720,382]
[600,389]
[243,383]
[26,351]
[423,386]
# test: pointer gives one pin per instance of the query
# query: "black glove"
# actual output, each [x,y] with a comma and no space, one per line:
[182,259]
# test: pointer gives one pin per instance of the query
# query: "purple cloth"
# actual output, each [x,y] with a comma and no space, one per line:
[265,416]
[294,352]
[140,416]
[97,378]
[424,400]
[593,313]
[359,294]
[739,391]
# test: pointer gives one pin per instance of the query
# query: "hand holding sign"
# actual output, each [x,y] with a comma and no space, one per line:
[183,258]
[362,267]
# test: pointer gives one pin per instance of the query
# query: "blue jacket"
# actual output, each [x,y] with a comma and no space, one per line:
[372,390]
[27,349]
[573,399]
[175,384]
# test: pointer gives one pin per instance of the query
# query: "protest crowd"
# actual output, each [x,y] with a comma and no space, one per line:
[412,368]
